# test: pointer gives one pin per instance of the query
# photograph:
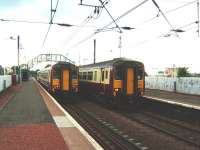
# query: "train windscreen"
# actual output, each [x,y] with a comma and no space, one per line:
[56,74]
[74,75]
[140,73]
[118,74]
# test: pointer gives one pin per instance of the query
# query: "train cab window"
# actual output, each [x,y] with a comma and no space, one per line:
[102,77]
[90,75]
[139,74]
[95,75]
[56,74]
[139,77]
[118,75]
[106,76]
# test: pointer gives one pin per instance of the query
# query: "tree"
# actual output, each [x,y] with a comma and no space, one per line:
[183,72]
[1,70]
[15,69]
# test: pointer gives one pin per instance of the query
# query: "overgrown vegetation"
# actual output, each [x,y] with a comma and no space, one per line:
[183,72]
[1,70]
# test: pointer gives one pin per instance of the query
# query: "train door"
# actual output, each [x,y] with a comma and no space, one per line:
[103,80]
[130,81]
[65,81]
[74,81]
[105,73]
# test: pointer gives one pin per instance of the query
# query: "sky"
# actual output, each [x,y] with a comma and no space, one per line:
[151,42]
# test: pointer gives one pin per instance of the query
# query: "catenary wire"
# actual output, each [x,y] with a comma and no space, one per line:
[98,30]
[82,25]
[46,35]
[172,28]
[169,11]
[91,35]
[113,20]
[124,14]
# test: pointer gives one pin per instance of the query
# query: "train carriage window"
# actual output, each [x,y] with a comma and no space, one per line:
[90,75]
[102,77]
[106,76]
[95,75]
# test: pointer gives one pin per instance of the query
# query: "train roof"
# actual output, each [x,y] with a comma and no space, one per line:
[110,63]
[59,64]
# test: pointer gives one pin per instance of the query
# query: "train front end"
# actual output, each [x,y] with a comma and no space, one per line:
[64,78]
[128,79]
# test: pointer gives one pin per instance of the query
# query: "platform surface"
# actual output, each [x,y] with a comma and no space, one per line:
[185,100]
[30,120]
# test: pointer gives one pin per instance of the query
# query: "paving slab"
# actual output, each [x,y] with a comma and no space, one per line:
[26,123]
[31,137]
[25,107]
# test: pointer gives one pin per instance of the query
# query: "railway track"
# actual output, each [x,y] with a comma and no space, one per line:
[167,126]
[177,129]
[109,137]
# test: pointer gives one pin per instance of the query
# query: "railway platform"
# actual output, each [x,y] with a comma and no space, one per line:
[185,100]
[30,119]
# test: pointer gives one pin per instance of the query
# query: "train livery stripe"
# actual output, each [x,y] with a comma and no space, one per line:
[66,80]
[130,81]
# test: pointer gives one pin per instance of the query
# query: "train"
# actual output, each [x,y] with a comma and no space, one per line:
[24,74]
[60,78]
[118,78]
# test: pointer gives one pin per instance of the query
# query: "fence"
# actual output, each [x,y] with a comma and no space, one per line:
[187,85]
[5,82]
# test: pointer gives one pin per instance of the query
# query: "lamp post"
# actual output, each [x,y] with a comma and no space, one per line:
[19,69]
[18,47]
[120,46]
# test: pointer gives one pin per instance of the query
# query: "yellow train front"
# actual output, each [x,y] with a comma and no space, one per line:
[61,77]
[118,78]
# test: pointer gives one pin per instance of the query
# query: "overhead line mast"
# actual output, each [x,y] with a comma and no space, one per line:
[198,17]
[53,11]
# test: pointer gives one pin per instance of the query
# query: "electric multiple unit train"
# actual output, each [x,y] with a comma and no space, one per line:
[61,77]
[117,78]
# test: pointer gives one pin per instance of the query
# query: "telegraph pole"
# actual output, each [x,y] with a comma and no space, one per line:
[18,47]
[51,14]
[198,17]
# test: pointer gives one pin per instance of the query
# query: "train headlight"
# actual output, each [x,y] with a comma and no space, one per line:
[116,90]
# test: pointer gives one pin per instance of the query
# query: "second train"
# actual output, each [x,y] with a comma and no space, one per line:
[119,78]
